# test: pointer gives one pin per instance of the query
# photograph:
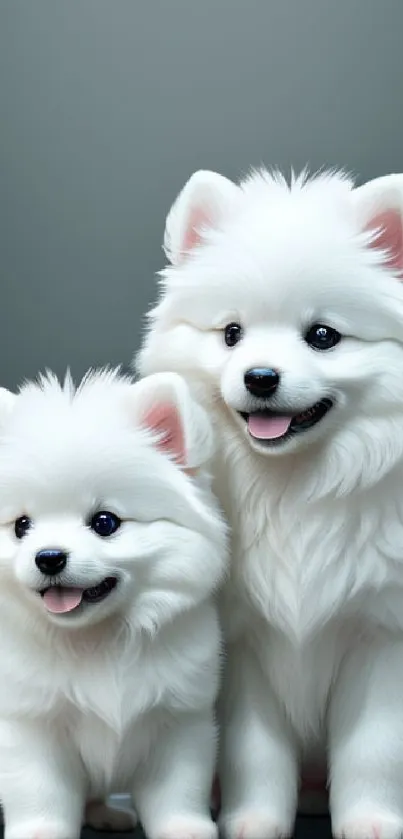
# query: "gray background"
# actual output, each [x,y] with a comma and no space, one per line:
[107,106]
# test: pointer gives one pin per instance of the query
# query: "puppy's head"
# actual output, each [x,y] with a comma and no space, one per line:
[284,304]
[101,511]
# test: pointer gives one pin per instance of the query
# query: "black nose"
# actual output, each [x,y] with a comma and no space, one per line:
[261,381]
[51,561]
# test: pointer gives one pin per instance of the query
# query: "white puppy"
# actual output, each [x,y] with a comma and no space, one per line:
[110,552]
[283,309]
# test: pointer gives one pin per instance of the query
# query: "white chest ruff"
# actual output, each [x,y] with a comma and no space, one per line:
[309,580]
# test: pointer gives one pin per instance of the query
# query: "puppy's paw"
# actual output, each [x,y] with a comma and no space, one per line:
[186,827]
[369,826]
[254,825]
[41,829]
[100,816]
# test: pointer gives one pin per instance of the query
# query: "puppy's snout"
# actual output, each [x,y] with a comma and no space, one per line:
[262,381]
[51,561]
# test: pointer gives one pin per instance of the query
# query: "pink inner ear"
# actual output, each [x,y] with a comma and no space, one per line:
[163,419]
[390,237]
[197,220]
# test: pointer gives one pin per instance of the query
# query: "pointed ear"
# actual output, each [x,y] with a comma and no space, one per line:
[7,401]
[200,206]
[163,405]
[379,206]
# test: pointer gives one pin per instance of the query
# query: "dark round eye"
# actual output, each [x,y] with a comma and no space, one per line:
[21,526]
[232,334]
[322,337]
[105,523]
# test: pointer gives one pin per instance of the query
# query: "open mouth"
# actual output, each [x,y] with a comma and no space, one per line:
[269,427]
[63,599]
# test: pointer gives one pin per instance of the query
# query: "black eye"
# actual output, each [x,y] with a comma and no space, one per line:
[22,526]
[232,334]
[105,523]
[322,337]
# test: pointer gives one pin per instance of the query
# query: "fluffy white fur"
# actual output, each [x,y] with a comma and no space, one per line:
[119,695]
[313,608]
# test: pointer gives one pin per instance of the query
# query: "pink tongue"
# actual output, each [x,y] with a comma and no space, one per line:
[59,599]
[267,428]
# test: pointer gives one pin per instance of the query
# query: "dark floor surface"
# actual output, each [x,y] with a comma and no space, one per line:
[307,828]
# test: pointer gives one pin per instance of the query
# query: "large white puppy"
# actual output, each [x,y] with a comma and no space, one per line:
[110,552]
[283,309]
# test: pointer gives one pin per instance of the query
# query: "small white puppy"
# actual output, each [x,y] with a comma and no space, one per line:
[111,548]
[284,310]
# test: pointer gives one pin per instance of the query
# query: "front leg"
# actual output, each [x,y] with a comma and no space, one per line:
[366,744]
[172,791]
[41,782]
[258,767]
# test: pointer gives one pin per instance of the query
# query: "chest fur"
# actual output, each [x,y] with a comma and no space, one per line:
[111,756]
[302,675]
[301,563]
